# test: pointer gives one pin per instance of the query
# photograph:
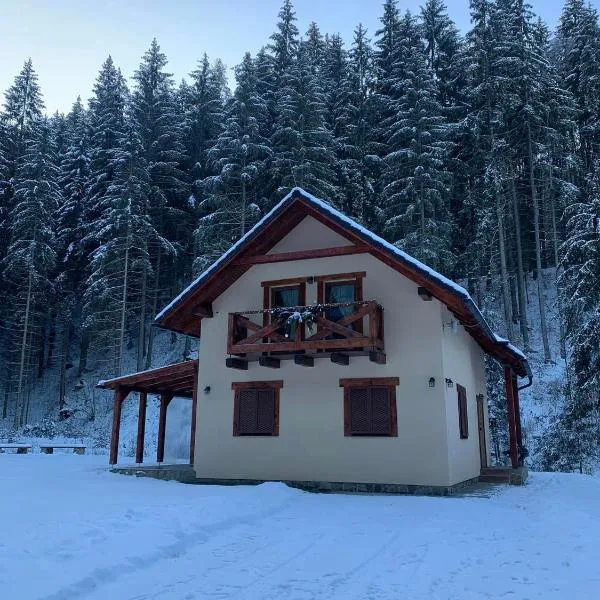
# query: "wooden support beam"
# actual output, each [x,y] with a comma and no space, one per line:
[518,431]
[377,357]
[119,396]
[194,413]
[424,294]
[204,311]
[304,361]
[269,361]
[165,399]
[303,254]
[339,358]
[512,421]
[236,363]
[141,432]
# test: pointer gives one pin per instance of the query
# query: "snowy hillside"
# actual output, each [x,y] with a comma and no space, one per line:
[87,533]
[90,409]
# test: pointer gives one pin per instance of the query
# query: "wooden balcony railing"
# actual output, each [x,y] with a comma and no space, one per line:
[313,329]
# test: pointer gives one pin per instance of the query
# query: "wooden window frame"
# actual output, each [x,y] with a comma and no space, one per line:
[356,278]
[278,284]
[389,382]
[463,412]
[238,386]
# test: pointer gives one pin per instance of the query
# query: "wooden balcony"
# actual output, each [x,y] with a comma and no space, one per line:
[305,332]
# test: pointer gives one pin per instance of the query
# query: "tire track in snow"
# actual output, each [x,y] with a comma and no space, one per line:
[99,577]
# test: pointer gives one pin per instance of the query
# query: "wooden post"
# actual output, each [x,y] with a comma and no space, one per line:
[165,399]
[120,395]
[139,449]
[517,414]
[193,426]
[512,420]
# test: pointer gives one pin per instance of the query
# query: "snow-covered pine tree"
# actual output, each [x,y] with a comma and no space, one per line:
[417,217]
[19,120]
[204,119]
[334,78]
[284,42]
[485,210]
[301,142]
[121,259]
[386,54]
[28,266]
[160,129]
[233,197]
[578,46]
[576,430]
[72,260]
[363,163]
[106,123]
[443,52]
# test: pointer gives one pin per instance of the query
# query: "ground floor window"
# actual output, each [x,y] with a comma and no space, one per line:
[256,408]
[370,406]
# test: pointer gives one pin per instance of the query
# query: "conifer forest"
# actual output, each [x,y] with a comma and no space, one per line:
[477,152]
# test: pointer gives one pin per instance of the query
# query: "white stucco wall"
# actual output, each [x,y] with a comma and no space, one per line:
[464,364]
[311,444]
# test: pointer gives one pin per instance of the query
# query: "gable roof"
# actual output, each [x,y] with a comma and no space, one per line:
[185,312]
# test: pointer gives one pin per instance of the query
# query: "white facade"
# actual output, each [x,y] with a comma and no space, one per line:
[311,446]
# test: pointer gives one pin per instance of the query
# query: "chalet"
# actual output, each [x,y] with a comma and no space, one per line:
[331,359]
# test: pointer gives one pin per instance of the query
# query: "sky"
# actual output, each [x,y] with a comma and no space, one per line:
[68,40]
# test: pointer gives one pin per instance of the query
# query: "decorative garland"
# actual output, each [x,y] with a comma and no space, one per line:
[291,319]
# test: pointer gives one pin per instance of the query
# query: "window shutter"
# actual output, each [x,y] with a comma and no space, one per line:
[463,418]
[360,419]
[265,416]
[380,410]
[248,409]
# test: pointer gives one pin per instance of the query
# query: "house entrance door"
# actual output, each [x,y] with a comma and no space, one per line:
[481,429]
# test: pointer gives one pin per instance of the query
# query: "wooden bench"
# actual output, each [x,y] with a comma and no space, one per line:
[20,448]
[49,448]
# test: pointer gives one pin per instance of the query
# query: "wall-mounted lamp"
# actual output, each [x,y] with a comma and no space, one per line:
[432,382]
[449,383]
[310,280]
[207,389]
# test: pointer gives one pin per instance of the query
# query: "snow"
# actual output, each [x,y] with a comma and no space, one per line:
[357,228]
[72,530]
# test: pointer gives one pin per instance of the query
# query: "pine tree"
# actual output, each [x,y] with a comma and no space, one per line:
[19,129]
[160,129]
[23,106]
[301,142]
[284,42]
[74,174]
[28,266]
[233,196]
[364,166]
[579,65]
[204,119]
[417,215]
[106,123]
[122,235]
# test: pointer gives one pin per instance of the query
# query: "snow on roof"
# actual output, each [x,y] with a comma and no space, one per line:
[363,232]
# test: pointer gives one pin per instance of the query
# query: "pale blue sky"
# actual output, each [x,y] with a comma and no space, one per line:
[69,39]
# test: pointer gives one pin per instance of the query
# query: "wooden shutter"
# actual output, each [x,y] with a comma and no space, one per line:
[463,417]
[380,410]
[256,408]
[370,406]
[247,411]
[265,413]
[360,419]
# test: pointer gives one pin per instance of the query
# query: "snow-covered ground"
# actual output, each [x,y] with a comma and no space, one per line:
[71,530]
